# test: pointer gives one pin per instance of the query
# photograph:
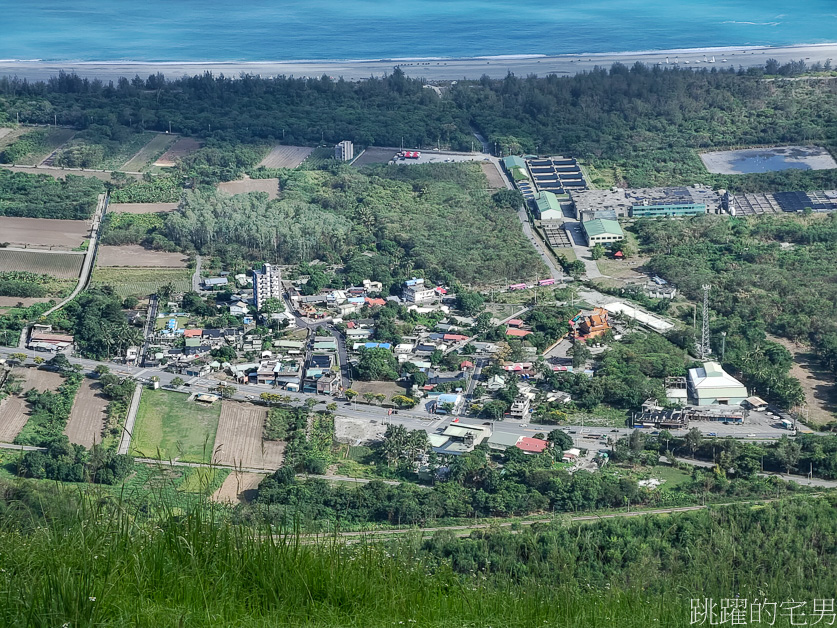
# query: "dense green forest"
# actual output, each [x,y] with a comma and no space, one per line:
[769,274]
[80,558]
[41,196]
[383,223]
[639,125]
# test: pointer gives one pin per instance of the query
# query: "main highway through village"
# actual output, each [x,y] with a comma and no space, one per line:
[418,418]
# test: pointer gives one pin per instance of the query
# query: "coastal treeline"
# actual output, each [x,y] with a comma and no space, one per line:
[637,125]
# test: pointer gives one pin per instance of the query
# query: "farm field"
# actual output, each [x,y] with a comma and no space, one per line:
[239,438]
[134,255]
[142,281]
[239,487]
[9,302]
[87,418]
[159,144]
[182,147]
[14,411]
[286,156]
[60,265]
[271,186]
[141,208]
[54,139]
[61,173]
[43,232]
[169,427]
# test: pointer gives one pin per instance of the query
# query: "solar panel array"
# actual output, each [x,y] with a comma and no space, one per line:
[780,202]
[557,175]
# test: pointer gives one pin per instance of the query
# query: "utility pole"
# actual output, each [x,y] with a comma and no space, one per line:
[723,344]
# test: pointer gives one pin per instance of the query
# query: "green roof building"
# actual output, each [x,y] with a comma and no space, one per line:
[549,208]
[516,167]
[602,231]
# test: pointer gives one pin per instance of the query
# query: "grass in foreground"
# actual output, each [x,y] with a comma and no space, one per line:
[75,559]
[169,427]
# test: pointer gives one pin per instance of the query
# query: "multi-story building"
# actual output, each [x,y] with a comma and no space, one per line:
[415,291]
[344,151]
[267,283]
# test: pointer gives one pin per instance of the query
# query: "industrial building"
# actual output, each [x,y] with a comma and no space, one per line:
[711,385]
[267,284]
[650,202]
[548,206]
[602,231]
[344,151]
[516,167]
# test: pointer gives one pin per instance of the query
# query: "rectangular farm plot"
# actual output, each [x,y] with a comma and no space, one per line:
[239,487]
[88,416]
[182,147]
[244,186]
[60,265]
[170,427]
[133,255]
[14,411]
[141,282]
[239,439]
[286,156]
[142,208]
[43,232]
[158,144]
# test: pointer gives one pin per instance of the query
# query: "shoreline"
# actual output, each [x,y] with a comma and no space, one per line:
[432,68]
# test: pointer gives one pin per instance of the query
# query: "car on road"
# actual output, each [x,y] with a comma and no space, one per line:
[614,431]
[523,424]
[712,434]
[751,435]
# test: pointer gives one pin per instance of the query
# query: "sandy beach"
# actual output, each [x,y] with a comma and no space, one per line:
[433,69]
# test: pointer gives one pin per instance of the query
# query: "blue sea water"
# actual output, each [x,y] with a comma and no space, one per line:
[272,30]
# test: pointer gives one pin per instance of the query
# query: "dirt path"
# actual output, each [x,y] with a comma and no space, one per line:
[88,416]
[817,382]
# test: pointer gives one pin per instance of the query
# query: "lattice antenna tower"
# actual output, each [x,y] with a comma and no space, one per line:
[705,349]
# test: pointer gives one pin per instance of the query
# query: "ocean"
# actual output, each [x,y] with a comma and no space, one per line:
[274,30]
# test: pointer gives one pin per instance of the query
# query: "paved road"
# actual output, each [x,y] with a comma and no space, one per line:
[796,479]
[196,276]
[87,265]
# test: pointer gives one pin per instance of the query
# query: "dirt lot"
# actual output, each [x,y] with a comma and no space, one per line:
[142,208]
[14,411]
[817,383]
[87,418]
[239,438]
[238,487]
[357,431]
[385,388]
[13,301]
[157,145]
[495,181]
[134,255]
[286,156]
[43,231]
[181,148]
[271,186]
[375,155]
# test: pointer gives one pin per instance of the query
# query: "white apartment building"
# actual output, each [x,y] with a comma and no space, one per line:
[344,151]
[267,283]
[415,291]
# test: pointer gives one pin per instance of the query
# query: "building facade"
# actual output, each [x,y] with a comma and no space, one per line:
[267,283]
[344,151]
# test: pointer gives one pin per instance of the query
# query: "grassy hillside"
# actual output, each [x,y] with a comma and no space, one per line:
[77,560]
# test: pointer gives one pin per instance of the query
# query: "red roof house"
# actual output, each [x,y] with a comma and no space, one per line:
[515,322]
[518,333]
[454,337]
[373,302]
[193,333]
[532,445]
